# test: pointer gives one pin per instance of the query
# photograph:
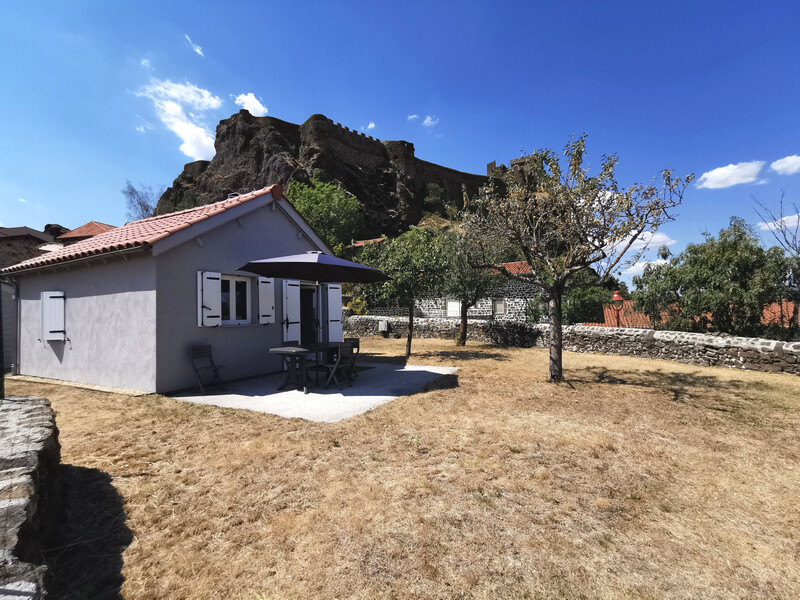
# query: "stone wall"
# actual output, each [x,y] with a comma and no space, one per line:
[717,350]
[29,491]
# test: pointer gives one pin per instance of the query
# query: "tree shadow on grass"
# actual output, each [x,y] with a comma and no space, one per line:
[84,553]
[457,354]
[696,389]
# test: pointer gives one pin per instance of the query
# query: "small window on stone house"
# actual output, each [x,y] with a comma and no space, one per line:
[498,306]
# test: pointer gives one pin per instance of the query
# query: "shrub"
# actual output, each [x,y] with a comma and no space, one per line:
[520,335]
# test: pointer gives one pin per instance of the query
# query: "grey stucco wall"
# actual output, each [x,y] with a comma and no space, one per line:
[110,322]
[241,349]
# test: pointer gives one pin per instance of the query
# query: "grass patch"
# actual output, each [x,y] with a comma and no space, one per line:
[636,479]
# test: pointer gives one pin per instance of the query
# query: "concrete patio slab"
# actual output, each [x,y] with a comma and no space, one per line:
[377,383]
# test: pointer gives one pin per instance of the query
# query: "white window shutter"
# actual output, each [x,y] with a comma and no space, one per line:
[334,312]
[266,300]
[53,318]
[291,311]
[209,299]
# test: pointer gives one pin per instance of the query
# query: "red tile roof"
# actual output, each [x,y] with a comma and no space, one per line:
[519,267]
[140,234]
[362,243]
[88,230]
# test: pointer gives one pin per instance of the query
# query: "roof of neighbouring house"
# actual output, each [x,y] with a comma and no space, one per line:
[362,243]
[140,234]
[89,229]
[519,267]
[13,232]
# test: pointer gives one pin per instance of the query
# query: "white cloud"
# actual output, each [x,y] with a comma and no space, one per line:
[784,222]
[723,177]
[194,46]
[21,200]
[788,165]
[652,240]
[251,104]
[638,268]
[430,121]
[170,99]
[146,63]
[413,117]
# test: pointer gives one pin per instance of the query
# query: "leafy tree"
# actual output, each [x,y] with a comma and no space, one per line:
[784,224]
[461,280]
[565,221]
[723,283]
[140,202]
[435,200]
[584,302]
[335,214]
[415,263]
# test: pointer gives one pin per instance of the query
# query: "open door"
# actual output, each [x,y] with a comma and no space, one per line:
[291,311]
[334,312]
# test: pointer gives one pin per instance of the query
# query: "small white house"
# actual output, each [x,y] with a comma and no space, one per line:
[122,308]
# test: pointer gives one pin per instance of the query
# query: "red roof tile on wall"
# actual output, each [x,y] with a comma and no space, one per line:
[140,234]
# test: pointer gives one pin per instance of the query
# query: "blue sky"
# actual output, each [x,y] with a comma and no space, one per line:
[99,92]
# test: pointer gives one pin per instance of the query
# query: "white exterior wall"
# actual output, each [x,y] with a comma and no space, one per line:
[109,320]
[241,349]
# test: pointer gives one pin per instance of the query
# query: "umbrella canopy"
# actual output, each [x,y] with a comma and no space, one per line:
[314,266]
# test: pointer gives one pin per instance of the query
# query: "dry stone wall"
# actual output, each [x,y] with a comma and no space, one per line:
[29,460]
[717,350]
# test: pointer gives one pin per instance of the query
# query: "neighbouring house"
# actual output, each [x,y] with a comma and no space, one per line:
[510,301]
[84,232]
[122,308]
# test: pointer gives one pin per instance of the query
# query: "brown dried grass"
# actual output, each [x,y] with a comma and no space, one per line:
[636,479]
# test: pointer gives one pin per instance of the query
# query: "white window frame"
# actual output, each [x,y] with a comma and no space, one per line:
[232,279]
[452,307]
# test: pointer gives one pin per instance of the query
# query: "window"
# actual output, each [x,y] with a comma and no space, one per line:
[53,321]
[499,307]
[234,300]
[453,308]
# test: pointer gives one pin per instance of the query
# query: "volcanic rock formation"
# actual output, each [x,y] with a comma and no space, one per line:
[252,152]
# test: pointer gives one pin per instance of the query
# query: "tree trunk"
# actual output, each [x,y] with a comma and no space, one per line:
[410,329]
[556,337]
[462,333]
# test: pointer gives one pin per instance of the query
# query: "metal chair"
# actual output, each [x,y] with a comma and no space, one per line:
[203,365]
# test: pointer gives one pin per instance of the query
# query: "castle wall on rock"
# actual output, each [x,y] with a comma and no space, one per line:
[252,152]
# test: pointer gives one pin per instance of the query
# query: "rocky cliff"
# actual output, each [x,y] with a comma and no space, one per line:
[252,152]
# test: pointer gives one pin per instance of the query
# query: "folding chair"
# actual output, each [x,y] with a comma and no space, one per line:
[339,364]
[203,365]
[356,344]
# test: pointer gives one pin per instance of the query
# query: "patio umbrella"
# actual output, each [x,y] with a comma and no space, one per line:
[314,266]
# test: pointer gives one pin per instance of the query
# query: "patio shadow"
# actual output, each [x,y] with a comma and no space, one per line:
[84,553]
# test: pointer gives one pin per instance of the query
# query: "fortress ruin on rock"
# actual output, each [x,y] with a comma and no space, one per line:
[252,152]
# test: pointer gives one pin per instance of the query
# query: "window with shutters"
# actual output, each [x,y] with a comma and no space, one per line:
[234,300]
[228,300]
[53,316]
[499,306]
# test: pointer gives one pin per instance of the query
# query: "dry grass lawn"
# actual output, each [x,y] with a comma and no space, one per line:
[637,479]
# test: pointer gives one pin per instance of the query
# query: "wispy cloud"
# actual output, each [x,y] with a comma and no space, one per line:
[194,46]
[251,104]
[723,177]
[638,268]
[369,127]
[144,126]
[788,165]
[170,99]
[21,200]
[146,63]
[413,117]
[648,239]
[430,120]
[782,223]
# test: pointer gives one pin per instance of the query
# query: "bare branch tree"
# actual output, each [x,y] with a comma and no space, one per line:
[564,222]
[140,202]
